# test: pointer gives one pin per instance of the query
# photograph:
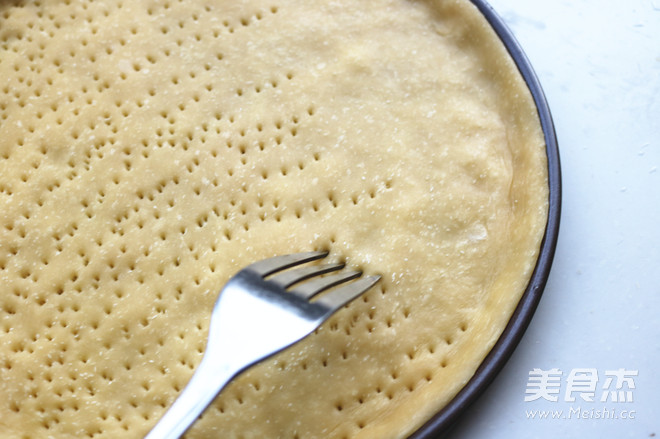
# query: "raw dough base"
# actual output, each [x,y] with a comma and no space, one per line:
[148,150]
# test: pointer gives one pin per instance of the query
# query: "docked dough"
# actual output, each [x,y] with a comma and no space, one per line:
[150,149]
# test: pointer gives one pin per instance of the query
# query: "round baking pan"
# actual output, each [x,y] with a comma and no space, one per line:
[441,423]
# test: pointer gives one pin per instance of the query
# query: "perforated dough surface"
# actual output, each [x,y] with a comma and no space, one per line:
[150,149]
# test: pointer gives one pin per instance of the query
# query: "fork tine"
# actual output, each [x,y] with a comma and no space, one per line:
[341,296]
[288,278]
[278,263]
[316,286]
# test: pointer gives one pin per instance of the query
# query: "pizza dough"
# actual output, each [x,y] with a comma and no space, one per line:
[150,149]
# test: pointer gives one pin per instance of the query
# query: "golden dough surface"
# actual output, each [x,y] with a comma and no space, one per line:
[150,149]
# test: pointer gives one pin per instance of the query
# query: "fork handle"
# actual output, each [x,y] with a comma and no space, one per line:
[205,384]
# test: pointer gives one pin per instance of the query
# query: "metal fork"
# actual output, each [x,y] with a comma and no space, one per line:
[257,315]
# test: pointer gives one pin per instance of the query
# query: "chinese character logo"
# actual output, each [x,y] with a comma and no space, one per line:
[618,394]
[543,384]
[581,383]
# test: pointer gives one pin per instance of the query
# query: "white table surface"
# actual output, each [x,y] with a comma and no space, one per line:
[599,65]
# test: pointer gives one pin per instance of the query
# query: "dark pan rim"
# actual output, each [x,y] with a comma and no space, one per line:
[442,422]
